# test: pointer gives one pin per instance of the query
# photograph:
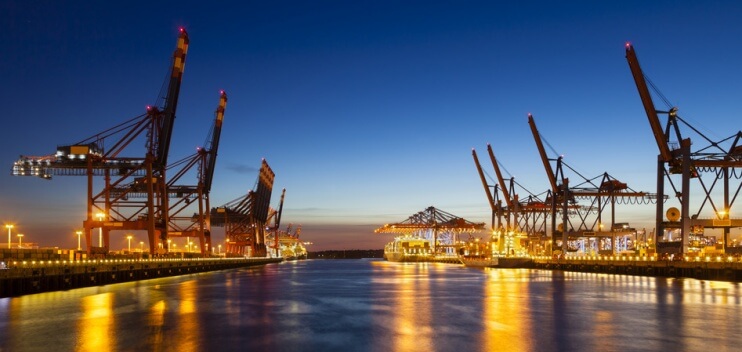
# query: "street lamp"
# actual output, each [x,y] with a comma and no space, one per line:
[220,250]
[9,227]
[141,248]
[169,241]
[129,238]
[100,230]
[20,240]
[79,233]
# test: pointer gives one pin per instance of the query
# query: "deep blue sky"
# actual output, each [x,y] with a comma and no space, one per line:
[366,110]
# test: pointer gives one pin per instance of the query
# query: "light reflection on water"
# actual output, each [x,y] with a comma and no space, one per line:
[364,305]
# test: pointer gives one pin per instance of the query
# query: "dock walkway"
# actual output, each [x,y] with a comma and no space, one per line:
[26,277]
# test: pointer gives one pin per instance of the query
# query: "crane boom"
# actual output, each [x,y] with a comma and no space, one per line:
[641,86]
[280,209]
[171,100]
[490,199]
[214,145]
[503,187]
[542,152]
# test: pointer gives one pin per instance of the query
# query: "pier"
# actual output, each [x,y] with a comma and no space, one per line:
[26,277]
[702,268]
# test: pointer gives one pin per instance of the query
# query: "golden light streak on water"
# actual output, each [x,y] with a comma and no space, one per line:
[412,315]
[187,333]
[96,324]
[504,312]
[156,320]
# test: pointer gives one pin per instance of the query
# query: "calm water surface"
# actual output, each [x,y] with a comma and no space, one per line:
[370,305]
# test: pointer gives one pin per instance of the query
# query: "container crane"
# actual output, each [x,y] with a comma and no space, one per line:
[718,162]
[244,219]
[525,214]
[497,210]
[205,159]
[110,209]
[599,193]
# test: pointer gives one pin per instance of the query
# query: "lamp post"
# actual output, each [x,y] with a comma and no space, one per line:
[169,241]
[79,233]
[129,238]
[219,251]
[9,227]
[100,230]
[141,247]
[20,240]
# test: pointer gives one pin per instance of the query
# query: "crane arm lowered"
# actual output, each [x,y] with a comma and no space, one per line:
[641,86]
[171,100]
[542,152]
[503,188]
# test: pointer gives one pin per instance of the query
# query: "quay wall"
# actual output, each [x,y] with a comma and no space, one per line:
[27,277]
[715,269]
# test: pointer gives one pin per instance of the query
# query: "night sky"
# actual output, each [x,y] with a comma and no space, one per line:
[366,110]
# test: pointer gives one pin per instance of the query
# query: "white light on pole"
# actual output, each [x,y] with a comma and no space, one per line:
[20,240]
[129,238]
[100,230]
[9,227]
[79,233]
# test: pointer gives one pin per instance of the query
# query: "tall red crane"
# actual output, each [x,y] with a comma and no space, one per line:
[527,213]
[712,165]
[496,208]
[599,193]
[144,176]
[188,196]
[245,219]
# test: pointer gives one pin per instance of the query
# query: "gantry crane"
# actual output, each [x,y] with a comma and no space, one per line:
[111,208]
[244,219]
[563,198]
[719,162]
[276,216]
[184,196]
[529,215]
[495,205]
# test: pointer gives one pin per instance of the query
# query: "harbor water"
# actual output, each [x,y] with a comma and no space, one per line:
[374,305]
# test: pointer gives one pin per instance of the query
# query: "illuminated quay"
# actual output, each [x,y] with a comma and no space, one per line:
[32,276]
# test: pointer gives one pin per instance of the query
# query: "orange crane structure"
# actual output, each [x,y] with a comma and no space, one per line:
[245,219]
[276,216]
[600,191]
[528,215]
[716,166]
[134,195]
[190,196]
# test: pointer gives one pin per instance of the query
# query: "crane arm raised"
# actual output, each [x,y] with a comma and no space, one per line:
[542,152]
[641,86]
[214,144]
[484,181]
[503,187]
[171,100]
